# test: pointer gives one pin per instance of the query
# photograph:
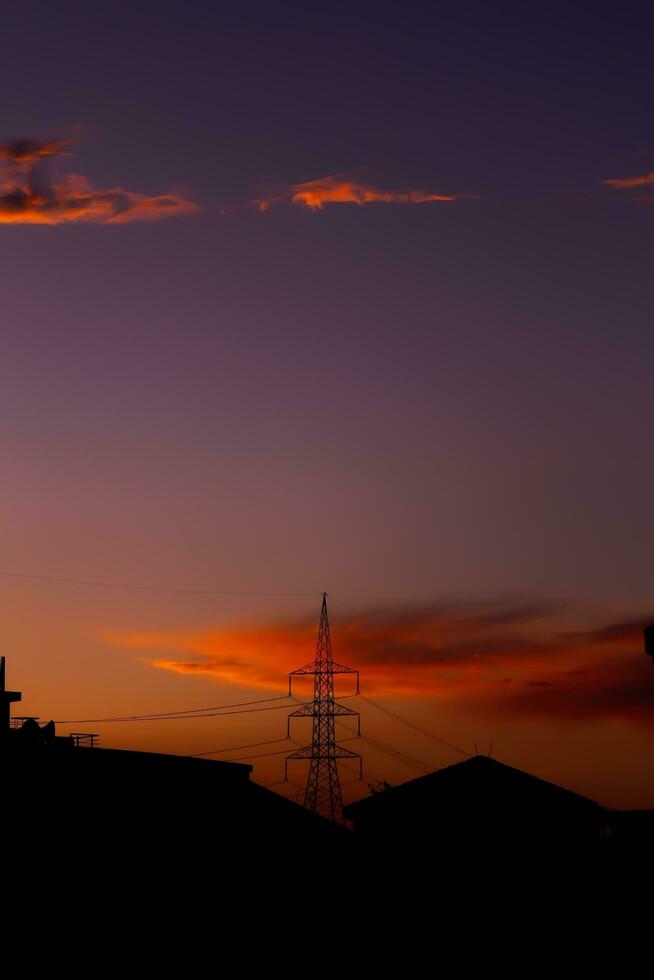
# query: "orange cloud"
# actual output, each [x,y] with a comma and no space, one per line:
[30,195]
[618,687]
[641,181]
[509,659]
[29,151]
[260,655]
[342,189]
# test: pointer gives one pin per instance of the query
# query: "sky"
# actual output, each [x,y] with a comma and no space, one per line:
[354,299]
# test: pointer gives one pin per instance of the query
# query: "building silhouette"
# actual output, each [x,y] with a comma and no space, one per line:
[480,804]
[66,788]
[64,794]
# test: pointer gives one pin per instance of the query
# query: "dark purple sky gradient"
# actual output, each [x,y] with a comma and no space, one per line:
[467,383]
[389,400]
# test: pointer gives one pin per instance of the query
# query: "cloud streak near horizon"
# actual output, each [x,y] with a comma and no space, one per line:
[644,180]
[31,194]
[345,189]
[511,660]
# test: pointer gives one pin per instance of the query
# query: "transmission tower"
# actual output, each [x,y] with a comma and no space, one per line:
[323,790]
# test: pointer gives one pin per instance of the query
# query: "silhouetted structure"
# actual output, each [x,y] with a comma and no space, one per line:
[480,804]
[648,634]
[7,698]
[323,789]
[632,831]
[64,789]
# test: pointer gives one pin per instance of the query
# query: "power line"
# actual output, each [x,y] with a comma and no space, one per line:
[272,741]
[98,584]
[416,763]
[389,750]
[375,743]
[259,755]
[218,714]
[192,714]
[215,707]
[340,724]
[280,782]
[416,728]
[170,715]
[238,748]
[352,739]
[263,755]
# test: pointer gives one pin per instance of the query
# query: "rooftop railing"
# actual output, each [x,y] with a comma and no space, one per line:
[84,740]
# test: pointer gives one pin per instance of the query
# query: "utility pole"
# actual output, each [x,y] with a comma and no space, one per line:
[323,790]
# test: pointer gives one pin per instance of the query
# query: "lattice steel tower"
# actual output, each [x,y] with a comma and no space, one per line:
[323,791]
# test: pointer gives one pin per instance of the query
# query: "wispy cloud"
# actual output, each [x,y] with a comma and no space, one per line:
[644,180]
[27,152]
[618,687]
[345,189]
[30,193]
[512,659]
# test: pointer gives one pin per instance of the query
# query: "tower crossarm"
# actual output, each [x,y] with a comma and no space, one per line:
[321,669]
[307,669]
[311,709]
[334,752]
[315,668]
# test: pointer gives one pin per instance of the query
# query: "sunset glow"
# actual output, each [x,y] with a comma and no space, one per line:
[520,660]
[396,347]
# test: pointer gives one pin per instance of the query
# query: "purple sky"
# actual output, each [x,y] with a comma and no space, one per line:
[387,401]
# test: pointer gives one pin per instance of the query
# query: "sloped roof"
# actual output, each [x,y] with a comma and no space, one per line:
[476,782]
